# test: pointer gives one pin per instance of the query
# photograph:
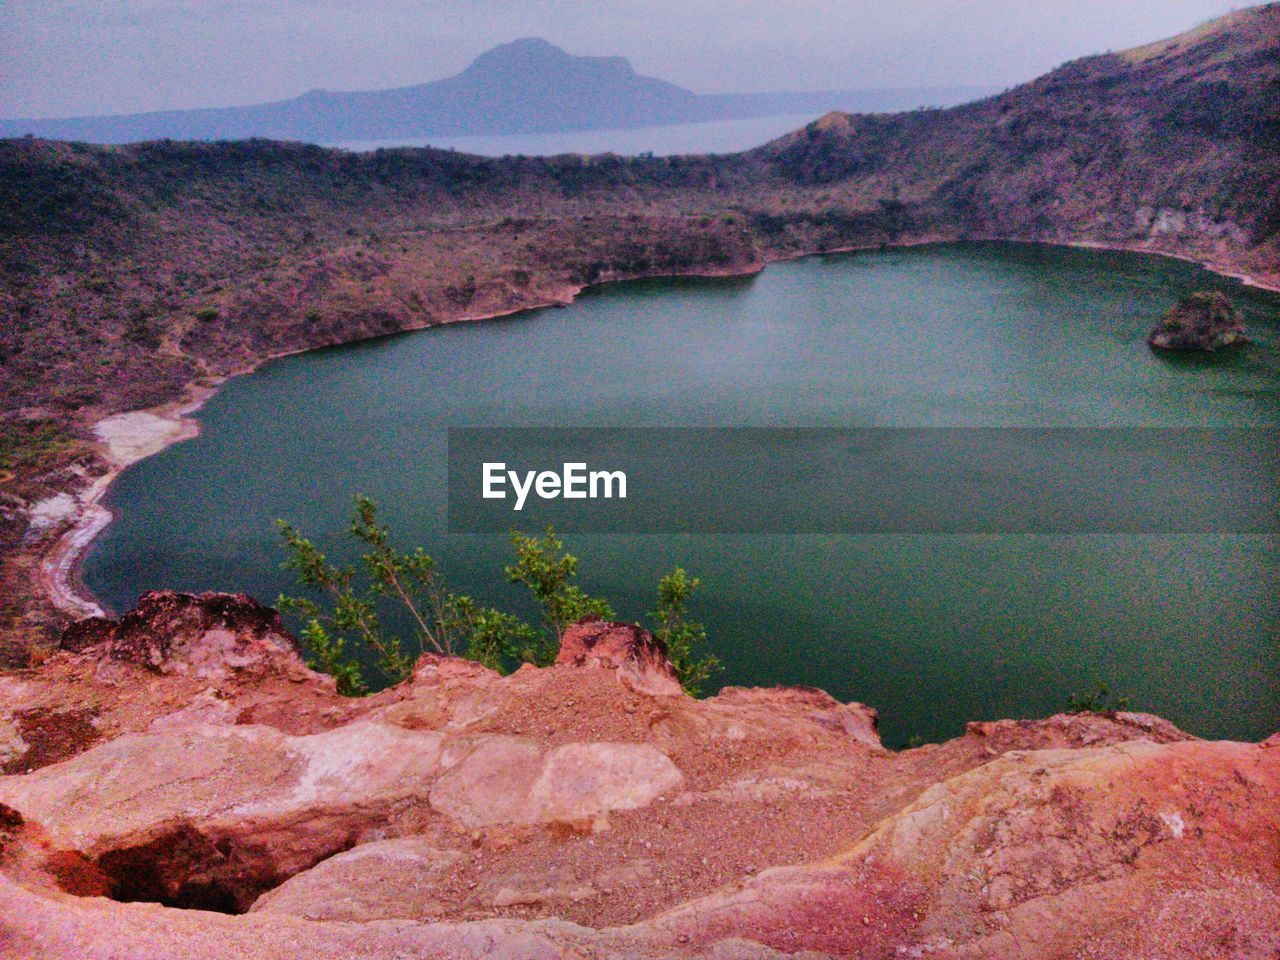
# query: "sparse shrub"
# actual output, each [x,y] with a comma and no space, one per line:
[352,601]
[38,656]
[682,635]
[208,314]
[346,609]
[549,572]
[27,446]
[1099,701]
[143,329]
[462,293]
[326,654]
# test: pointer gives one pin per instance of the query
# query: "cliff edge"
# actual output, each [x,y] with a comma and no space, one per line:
[591,809]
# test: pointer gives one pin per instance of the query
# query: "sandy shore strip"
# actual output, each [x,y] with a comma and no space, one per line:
[124,439]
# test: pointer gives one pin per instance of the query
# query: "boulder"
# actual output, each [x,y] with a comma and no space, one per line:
[1085,729]
[39,927]
[855,720]
[582,781]
[509,780]
[1205,321]
[212,816]
[1051,853]
[638,656]
[385,879]
[87,633]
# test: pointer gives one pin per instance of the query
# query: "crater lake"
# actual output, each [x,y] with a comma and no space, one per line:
[932,630]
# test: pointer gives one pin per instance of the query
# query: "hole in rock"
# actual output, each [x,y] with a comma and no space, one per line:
[188,870]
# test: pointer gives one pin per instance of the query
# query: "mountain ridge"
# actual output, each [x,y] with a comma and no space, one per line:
[526,86]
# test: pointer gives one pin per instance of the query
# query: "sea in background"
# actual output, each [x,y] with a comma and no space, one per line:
[716,136]
[932,630]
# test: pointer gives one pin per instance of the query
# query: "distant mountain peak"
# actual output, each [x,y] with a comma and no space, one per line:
[527,47]
[532,50]
[532,44]
[534,54]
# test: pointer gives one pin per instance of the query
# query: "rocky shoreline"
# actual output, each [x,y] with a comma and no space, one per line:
[129,437]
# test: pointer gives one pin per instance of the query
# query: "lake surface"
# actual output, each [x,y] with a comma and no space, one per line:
[932,630]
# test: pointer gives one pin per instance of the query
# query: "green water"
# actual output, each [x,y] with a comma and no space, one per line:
[932,630]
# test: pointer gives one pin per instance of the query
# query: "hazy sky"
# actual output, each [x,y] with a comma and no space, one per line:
[65,57]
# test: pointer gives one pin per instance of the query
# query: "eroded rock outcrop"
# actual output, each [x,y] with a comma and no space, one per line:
[1205,322]
[210,635]
[638,656]
[592,809]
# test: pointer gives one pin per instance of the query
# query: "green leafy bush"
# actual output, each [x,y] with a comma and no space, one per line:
[543,566]
[347,604]
[345,609]
[682,636]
